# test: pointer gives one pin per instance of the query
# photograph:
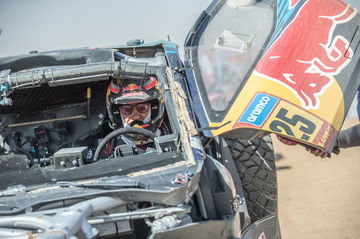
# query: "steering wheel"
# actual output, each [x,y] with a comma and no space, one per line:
[121,131]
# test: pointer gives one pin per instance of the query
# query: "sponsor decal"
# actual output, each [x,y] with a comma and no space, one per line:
[259,109]
[131,87]
[305,54]
[326,135]
[277,115]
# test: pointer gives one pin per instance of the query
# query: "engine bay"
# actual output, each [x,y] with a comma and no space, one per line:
[71,120]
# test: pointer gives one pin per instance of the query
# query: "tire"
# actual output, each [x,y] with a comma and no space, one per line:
[255,163]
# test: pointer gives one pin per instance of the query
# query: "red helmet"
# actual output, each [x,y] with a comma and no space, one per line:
[129,91]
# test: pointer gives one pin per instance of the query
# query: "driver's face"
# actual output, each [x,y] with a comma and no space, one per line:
[133,112]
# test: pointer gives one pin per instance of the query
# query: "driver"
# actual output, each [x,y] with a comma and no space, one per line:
[136,103]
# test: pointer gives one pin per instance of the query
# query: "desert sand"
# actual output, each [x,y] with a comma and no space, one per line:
[318,198]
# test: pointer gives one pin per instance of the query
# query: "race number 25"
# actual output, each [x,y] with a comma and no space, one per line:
[286,124]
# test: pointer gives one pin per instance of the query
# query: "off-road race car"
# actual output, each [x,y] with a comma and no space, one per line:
[249,70]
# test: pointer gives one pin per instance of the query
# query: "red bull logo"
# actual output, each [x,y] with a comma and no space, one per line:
[131,87]
[307,54]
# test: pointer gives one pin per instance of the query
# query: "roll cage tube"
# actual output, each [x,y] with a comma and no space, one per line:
[125,67]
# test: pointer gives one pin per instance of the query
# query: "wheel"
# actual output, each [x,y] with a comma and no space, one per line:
[255,163]
[118,132]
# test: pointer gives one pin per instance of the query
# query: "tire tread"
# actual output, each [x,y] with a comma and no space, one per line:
[255,163]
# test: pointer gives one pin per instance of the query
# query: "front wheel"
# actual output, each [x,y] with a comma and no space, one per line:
[255,163]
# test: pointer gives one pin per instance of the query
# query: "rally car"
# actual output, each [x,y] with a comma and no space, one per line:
[251,68]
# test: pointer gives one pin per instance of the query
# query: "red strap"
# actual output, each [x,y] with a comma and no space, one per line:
[107,149]
[114,88]
[150,84]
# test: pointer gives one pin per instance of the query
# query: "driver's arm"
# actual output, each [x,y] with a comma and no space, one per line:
[349,137]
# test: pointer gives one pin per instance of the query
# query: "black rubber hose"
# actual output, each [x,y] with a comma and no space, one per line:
[121,131]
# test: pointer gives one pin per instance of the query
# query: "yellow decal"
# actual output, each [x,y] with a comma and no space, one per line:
[292,121]
[269,106]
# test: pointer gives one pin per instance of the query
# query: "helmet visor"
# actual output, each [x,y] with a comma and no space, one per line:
[128,109]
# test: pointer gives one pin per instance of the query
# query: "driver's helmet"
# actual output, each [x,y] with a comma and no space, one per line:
[129,91]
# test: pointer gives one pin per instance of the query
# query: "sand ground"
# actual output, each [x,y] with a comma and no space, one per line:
[318,198]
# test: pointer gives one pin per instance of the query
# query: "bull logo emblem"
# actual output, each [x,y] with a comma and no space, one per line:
[313,55]
[131,87]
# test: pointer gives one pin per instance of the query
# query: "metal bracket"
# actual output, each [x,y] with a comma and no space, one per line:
[236,203]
